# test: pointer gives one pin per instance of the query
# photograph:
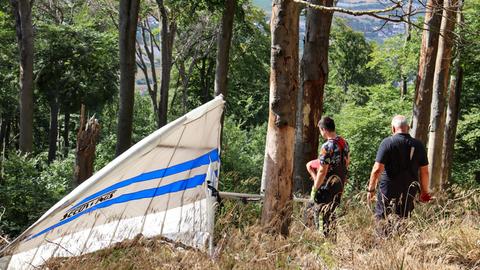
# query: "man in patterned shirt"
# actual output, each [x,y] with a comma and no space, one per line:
[329,171]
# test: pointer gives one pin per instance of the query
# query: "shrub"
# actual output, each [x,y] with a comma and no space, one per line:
[30,187]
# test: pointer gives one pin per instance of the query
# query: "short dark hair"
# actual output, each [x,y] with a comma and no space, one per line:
[327,123]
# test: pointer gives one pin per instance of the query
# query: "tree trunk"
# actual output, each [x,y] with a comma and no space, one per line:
[209,75]
[53,132]
[314,74]
[128,28]
[86,144]
[426,70]
[223,48]
[66,126]
[206,70]
[6,139]
[152,86]
[167,37]
[439,98]
[408,36]
[24,29]
[453,111]
[408,24]
[278,164]
[3,131]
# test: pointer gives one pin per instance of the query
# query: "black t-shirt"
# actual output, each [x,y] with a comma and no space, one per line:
[402,156]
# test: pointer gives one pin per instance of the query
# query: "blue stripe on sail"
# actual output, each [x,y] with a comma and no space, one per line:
[205,159]
[143,194]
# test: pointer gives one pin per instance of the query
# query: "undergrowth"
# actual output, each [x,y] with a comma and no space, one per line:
[440,235]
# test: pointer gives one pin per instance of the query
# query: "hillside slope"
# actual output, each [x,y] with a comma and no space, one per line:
[445,235]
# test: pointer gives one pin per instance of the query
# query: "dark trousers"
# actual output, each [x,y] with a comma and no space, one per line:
[402,204]
[327,200]
[327,212]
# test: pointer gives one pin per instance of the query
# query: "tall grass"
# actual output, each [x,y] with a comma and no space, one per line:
[440,235]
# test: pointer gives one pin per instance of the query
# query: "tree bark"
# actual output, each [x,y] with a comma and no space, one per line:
[53,132]
[223,48]
[86,145]
[408,36]
[167,38]
[439,98]
[206,70]
[314,74]
[66,126]
[24,29]
[426,70]
[453,111]
[128,27]
[148,43]
[278,164]
[3,132]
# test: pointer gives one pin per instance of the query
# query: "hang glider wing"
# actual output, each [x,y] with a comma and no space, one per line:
[157,187]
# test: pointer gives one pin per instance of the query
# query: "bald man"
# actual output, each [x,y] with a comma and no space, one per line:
[400,164]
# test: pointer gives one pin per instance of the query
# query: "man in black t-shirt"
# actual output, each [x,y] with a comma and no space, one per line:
[400,164]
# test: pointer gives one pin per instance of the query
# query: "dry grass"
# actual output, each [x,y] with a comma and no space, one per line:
[444,235]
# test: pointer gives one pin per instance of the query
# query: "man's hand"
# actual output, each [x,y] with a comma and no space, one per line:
[370,196]
[425,197]
[313,193]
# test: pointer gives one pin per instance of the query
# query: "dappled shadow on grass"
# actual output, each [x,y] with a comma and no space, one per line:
[445,235]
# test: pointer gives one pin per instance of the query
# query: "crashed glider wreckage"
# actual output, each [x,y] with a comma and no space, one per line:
[160,186]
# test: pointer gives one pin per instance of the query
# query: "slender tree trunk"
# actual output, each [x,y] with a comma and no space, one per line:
[223,52]
[53,132]
[66,126]
[3,131]
[278,165]
[152,85]
[6,141]
[408,24]
[408,36]
[439,99]
[209,77]
[23,17]
[167,38]
[223,48]
[86,145]
[314,74]
[453,111]
[426,70]
[203,77]
[128,28]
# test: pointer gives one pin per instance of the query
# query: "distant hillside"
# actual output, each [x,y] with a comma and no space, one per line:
[371,27]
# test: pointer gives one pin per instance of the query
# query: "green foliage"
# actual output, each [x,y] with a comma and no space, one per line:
[248,87]
[242,157]
[467,154]
[365,126]
[76,65]
[396,59]
[470,58]
[349,54]
[466,161]
[8,66]
[30,187]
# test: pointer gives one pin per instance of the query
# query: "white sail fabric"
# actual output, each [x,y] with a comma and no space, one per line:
[157,187]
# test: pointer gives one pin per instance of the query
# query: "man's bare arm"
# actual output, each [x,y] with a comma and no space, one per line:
[374,175]
[320,177]
[424,179]
[311,171]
